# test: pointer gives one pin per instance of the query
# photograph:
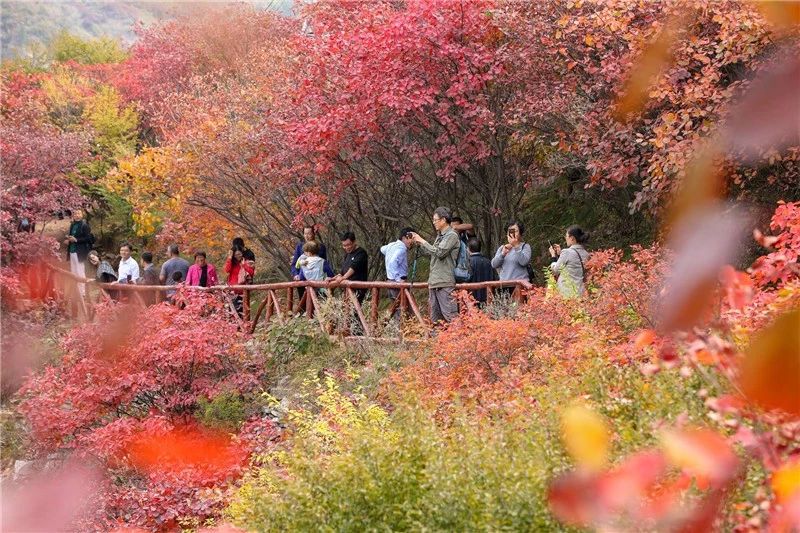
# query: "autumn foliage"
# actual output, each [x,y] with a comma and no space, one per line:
[664,399]
[125,393]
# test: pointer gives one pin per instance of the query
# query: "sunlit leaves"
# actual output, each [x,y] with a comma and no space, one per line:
[155,182]
[738,287]
[780,265]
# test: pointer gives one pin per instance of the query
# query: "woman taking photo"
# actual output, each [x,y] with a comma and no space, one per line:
[512,259]
[569,264]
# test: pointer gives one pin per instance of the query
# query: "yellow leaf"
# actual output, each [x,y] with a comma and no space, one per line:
[786,481]
[586,436]
[589,40]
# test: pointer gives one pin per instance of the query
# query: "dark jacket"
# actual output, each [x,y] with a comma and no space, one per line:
[84,239]
[298,251]
[481,271]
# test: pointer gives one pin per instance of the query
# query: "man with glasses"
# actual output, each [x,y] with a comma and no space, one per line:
[444,254]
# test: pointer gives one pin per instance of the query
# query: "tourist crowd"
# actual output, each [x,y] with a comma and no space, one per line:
[455,257]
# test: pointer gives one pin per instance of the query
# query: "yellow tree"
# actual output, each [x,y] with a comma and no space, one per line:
[154,183]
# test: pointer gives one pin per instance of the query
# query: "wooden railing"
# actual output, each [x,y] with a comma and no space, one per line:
[273,301]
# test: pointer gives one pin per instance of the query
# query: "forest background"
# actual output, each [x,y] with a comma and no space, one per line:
[248,122]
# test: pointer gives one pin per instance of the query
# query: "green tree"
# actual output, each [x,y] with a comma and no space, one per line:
[68,47]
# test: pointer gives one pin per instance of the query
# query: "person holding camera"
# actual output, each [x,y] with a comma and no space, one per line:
[570,264]
[444,255]
[512,258]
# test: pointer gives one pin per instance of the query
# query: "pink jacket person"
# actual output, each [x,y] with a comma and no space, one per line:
[193,276]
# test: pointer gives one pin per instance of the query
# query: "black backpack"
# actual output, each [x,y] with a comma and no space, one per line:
[463,269]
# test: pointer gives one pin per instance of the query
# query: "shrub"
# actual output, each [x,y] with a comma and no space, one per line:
[225,411]
[130,378]
[351,465]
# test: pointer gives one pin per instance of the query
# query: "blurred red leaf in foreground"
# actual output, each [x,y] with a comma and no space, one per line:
[701,453]
[770,370]
[184,448]
[641,493]
[783,13]
[704,241]
[768,117]
[654,59]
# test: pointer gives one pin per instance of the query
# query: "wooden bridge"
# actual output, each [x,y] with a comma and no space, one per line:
[271,301]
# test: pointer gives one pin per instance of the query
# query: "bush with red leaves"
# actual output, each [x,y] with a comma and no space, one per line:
[125,393]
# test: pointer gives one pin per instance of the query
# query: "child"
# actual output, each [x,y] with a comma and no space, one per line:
[177,278]
[312,265]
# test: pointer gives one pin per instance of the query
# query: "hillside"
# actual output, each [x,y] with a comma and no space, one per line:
[27,23]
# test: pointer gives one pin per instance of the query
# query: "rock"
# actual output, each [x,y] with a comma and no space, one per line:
[281,389]
[23,469]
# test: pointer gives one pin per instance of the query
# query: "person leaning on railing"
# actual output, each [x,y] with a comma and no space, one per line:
[570,264]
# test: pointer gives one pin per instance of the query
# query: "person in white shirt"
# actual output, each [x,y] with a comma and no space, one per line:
[396,259]
[128,267]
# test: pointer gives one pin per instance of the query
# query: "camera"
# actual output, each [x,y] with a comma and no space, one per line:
[408,235]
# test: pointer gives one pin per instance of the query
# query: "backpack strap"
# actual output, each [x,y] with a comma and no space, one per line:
[583,269]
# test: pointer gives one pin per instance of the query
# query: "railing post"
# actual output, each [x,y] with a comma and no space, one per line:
[290,301]
[270,309]
[309,302]
[246,305]
[376,295]
[359,312]
[517,294]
